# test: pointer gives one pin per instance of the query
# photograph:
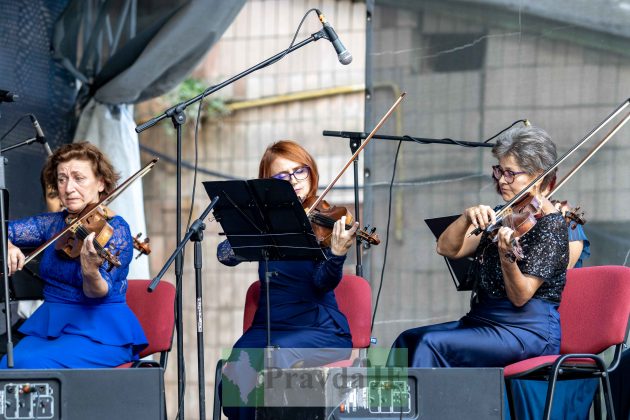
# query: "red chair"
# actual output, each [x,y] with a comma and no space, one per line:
[354,297]
[594,315]
[156,313]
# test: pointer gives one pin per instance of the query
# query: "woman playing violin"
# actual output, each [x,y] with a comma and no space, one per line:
[513,313]
[84,321]
[306,324]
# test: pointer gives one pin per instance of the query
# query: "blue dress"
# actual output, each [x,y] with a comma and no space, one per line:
[71,330]
[577,234]
[307,327]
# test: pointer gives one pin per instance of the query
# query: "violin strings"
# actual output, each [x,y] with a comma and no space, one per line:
[83,233]
[321,219]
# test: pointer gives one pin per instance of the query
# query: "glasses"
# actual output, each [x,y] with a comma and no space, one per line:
[508,175]
[299,174]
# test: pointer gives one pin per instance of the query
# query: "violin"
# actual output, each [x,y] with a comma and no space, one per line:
[144,247]
[92,219]
[521,218]
[324,216]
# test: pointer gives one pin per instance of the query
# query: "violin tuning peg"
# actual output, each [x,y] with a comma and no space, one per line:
[373,230]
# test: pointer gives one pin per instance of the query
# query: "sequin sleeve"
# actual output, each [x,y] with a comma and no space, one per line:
[546,248]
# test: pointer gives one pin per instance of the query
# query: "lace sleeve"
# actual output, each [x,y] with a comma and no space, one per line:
[225,254]
[120,244]
[33,231]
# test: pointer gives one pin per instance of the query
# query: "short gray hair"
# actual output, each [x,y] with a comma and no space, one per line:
[532,149]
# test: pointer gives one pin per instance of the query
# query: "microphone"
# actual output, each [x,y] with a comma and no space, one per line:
[39,135]
[6,96]
[343,54]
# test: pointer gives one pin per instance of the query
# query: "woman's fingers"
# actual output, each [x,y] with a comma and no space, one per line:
[505,238]
[15,259]
[480,216]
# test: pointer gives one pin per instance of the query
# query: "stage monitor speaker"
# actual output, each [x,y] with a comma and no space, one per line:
[80,394]
[382,393]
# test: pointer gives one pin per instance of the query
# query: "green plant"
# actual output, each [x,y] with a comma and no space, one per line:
[213,106]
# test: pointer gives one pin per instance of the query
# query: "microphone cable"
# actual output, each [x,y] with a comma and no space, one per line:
[201,101]
[19,120]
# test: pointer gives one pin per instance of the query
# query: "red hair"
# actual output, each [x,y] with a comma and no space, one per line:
[291,150]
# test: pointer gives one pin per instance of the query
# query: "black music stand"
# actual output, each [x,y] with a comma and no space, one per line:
[457,268]
[264,221]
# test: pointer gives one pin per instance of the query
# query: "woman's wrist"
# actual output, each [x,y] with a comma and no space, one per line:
[508,257]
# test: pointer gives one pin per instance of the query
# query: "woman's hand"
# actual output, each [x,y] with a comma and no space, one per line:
[480,216]
[90,260]
[16,258]
[342,239]
[505,238]
[94,285]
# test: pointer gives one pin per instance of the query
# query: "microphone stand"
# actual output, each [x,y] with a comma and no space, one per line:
[355,142]
[23,143]
[5,260]
[4,238]
[178,118]
[195,233]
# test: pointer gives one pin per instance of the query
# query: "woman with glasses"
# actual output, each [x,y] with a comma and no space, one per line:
[307,328]
[514,305]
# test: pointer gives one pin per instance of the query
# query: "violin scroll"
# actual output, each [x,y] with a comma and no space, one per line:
[324,216]
[144,247]
[572,215]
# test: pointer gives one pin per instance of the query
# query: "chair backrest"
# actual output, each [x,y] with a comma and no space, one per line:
[354,297]
[156,313]
[595,309]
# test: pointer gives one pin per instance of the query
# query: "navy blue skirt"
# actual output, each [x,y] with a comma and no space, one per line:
[494,333]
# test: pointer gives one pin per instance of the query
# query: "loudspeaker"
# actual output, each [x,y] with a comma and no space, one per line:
[382,393]
[79,394]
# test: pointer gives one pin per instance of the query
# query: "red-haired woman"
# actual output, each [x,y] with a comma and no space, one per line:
[307,328]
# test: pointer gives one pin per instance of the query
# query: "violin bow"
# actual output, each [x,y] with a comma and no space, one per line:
[590,154]
[521,194]
[104,202]
[354,156]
